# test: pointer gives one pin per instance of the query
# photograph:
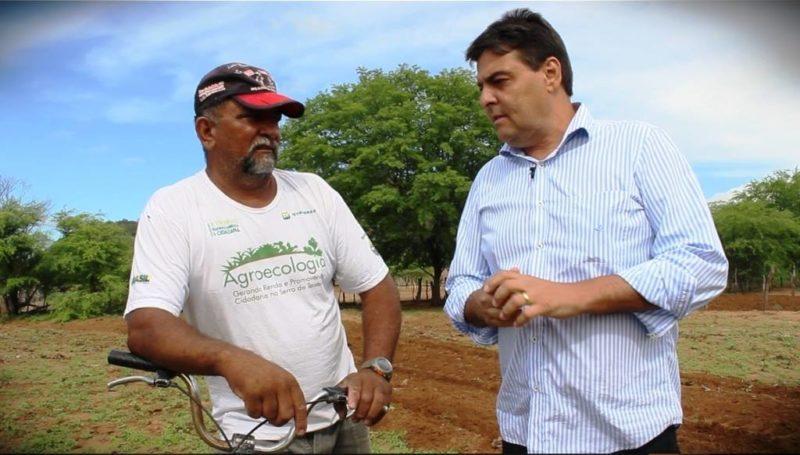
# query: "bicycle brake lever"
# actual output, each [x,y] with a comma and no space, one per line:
[338,397]
[335,395]
[127,380]
[160,379]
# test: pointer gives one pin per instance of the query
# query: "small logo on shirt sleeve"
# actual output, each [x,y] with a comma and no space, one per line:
[141,278]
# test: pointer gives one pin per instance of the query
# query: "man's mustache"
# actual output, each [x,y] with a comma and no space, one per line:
[263,141]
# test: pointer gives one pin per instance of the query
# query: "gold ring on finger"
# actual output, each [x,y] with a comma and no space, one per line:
[525,297]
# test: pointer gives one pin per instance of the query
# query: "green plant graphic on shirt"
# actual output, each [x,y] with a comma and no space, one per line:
[275,269]
[270,250]
[312,248]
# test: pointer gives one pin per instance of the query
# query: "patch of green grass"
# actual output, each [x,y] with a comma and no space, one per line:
[752,346]
[131,440]
[54,439]
[394,441]
[179,435]
[389,442]
[40,317]
[181,438]
[5,376]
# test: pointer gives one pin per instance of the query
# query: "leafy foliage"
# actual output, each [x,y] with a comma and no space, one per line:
[402,148]
[22,246]
[79,303]
[128,225]
[88,266]
[780,191]
[760,229]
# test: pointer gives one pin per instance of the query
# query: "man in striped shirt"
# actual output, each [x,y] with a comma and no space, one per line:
[581,246]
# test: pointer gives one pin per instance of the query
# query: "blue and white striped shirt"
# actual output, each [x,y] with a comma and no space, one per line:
[613,198]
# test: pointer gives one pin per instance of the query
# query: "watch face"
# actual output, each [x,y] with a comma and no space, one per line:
[383,364]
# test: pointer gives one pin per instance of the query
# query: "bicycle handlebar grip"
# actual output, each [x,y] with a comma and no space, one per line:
[126,359]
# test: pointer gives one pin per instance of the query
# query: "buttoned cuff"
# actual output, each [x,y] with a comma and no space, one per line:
[454,308]
[667,286]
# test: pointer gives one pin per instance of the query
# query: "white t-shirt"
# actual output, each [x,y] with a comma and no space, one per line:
[258,278]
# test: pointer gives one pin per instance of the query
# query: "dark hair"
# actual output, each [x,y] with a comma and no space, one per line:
[528,32]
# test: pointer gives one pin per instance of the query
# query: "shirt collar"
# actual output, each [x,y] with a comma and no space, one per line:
[582,123]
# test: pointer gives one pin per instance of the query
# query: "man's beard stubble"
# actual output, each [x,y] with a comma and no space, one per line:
[258,162]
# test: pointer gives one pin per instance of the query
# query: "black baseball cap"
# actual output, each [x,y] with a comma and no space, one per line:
[251,87]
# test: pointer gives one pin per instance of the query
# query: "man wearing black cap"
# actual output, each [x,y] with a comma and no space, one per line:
[249,253]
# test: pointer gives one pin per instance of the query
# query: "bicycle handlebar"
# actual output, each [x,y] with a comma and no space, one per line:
[163,378]
[126,359]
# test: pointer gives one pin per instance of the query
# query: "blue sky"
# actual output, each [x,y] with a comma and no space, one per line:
[97,97]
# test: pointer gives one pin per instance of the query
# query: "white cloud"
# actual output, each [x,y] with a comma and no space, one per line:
[161,40]
[138,110]
[737,103]
[725,109]
[29,26]
[308,46]
[708,83]
[726,195]
[682,72]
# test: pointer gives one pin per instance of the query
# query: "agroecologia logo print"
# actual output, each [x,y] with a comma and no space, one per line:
[292,261]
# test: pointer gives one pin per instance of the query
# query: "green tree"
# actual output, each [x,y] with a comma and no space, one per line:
[758,240]
[402,148]
[129,225]
[781,191]
[88,266]
[22,245]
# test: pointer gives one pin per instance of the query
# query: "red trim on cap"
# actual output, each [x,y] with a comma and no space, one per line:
[271,100]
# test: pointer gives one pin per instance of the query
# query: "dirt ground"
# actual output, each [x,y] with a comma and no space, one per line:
[445,387]
[445,391]
[778,301]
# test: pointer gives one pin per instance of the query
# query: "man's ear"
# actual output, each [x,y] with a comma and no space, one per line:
[551,68]
[205,129]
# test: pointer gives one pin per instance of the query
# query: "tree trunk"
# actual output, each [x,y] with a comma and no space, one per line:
[418,298]
[436,286]
[794,278]
[13,303]
[767,282]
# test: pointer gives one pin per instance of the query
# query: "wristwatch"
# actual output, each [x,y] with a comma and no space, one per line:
[380,365]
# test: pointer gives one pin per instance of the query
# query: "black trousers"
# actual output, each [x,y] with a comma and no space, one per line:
[666,442]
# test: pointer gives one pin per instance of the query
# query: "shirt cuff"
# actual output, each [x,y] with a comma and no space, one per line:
[666,286]
[454,307]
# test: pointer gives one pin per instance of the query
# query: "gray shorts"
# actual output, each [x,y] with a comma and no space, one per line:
[342,437]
